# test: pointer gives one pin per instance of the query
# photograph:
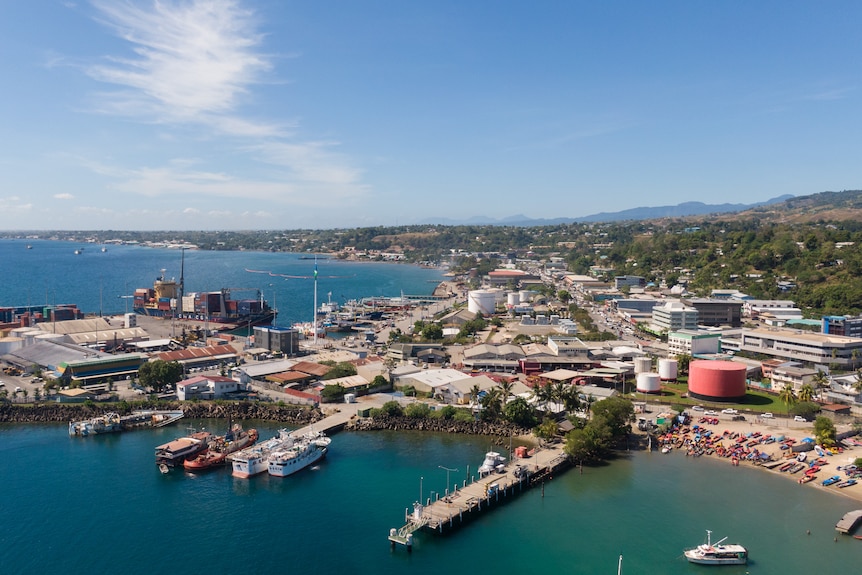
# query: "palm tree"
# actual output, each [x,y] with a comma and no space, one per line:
[821,380]
[505,387]
[474,394]
[857,385]
[542,393]
[787,396]
[806,393]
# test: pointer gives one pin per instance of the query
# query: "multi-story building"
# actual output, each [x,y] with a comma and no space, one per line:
[688,342]
[674,316]
[717,312]
[842,325]
[843,352]
[792,377]
[630,281]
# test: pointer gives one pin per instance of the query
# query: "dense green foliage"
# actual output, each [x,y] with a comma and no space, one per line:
[610,422]
[812,261]
[824,431]
[158,374]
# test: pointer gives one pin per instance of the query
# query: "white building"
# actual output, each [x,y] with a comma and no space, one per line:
[693,342]
[206,387]
[673,316]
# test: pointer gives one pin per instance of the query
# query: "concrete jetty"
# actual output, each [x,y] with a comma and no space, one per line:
[467,500]
[849,521]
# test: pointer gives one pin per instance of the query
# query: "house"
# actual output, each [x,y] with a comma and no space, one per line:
[75,395]
[206,387]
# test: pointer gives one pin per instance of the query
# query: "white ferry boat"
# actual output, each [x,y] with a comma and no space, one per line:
[710,553]
[253,460]
[298,454]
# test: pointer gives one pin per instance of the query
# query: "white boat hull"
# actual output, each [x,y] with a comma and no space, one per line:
[285,467]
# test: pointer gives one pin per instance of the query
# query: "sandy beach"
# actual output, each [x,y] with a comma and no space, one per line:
[777,427]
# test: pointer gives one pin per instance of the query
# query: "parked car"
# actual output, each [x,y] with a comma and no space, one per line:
[729,411]
[710,412]
[697,408]
[767,415]
[738,418]
[799,418]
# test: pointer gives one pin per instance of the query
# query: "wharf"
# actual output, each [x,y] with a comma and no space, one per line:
[468,500]
[849,521]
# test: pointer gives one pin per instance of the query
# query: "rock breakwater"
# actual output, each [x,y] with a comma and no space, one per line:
[493,429]
[46,413]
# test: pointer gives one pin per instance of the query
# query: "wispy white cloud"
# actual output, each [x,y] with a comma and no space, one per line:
[14,204]
[192,57]
[196,63]
[65,196]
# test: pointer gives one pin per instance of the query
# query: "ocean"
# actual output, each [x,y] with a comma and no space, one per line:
[50,273]
[99,504]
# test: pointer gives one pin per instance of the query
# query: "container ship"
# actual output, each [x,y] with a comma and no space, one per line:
[166,299]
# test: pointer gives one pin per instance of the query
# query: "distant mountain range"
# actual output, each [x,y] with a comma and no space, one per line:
[643,213]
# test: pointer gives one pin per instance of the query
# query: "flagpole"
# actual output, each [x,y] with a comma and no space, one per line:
[314,311]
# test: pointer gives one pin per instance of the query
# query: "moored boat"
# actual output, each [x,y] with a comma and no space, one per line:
[220,447]
[174,452]
[112,422]
[255,459]
[108,423]
[298,454]
[710,553]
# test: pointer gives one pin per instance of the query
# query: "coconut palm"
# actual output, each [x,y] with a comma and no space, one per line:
[505,386]
[474,394]
[542,393]
[821,380]
[806,393]
[787,396]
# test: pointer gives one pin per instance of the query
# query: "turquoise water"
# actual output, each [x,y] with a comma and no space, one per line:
[51,273]
[99,504]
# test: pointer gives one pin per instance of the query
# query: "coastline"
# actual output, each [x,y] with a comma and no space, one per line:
[773,449]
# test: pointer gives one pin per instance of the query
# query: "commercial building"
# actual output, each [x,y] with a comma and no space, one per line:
[674,316]
[274,338]
[693,342]
[629,281]
[845,353]
[717,312]
[842,325]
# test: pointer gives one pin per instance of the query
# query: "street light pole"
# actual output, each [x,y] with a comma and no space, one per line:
[447,476]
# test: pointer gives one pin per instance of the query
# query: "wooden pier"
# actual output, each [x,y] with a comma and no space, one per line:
[468,500]
[849,522]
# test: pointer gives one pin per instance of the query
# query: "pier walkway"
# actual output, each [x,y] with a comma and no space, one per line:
[468,499]
[336,421]
[849,521]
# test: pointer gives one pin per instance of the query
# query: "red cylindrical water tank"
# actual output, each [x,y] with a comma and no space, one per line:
[717,380]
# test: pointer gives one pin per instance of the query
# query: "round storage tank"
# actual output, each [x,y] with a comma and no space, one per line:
[10,344]
[716,380]
[513,298]
[667,369]
[50,337]
[643,364]
[481,302]
[648,383]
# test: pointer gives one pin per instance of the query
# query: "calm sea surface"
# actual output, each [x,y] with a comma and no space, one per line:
[51,273]
[99,504]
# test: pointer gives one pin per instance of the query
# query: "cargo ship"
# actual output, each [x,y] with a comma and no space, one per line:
[166,299]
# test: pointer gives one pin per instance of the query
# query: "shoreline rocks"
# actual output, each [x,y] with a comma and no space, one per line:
[57,413]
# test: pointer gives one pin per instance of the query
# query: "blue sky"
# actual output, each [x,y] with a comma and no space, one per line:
[272,114]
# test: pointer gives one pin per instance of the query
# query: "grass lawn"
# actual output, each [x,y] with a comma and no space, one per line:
[755,401]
